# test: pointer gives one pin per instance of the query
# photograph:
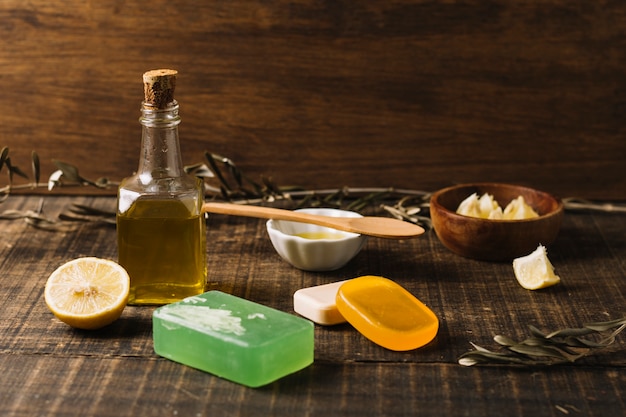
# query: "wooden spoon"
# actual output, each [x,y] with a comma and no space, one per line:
[384,227]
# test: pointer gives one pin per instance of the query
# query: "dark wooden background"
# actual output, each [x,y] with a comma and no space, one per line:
[329,93]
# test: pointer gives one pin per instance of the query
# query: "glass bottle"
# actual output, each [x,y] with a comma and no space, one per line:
[161,229]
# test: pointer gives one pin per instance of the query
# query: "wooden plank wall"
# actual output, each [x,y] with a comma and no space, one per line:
[327,93]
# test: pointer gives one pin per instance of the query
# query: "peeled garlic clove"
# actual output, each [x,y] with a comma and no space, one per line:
[518,210]
[495,214]
[469,206]
[486,205]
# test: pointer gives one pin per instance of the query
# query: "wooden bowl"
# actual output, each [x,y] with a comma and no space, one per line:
[494,240]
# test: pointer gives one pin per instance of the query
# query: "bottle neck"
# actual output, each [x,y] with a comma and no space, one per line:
[160,150]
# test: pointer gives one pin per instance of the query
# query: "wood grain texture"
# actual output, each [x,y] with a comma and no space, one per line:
[156,387]
[416,95]
[51,369]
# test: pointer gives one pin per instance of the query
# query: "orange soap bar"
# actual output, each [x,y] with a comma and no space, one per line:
[386,313]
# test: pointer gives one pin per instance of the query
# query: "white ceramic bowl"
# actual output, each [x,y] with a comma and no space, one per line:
[329,249]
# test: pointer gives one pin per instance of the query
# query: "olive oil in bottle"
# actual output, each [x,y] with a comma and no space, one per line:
[160,225]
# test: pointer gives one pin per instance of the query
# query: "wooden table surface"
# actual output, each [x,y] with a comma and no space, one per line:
[50,369]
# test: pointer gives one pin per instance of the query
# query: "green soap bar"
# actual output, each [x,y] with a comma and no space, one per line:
[233,338]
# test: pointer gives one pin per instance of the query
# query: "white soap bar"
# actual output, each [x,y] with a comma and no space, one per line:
[318,303]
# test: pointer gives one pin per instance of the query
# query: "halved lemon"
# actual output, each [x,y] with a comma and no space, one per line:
[88,293]
[535,271]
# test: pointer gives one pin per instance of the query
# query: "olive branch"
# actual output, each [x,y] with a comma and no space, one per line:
[224,181]
[558,347]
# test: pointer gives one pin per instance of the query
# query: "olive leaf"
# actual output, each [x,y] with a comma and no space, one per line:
[82,213]
[54,179]
[70,172]
[67,174]
[5,160]
[13,169]
[604,325]
[4,153]
[411,208]
[36,167]
[211,158]
[35,218]
[199,170]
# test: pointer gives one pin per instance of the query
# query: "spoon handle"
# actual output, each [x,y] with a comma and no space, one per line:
[274,213]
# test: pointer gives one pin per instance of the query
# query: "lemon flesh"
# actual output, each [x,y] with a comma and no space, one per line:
[535,271]
[88,293]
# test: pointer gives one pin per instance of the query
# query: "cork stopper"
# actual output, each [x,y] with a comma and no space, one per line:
[159,86]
